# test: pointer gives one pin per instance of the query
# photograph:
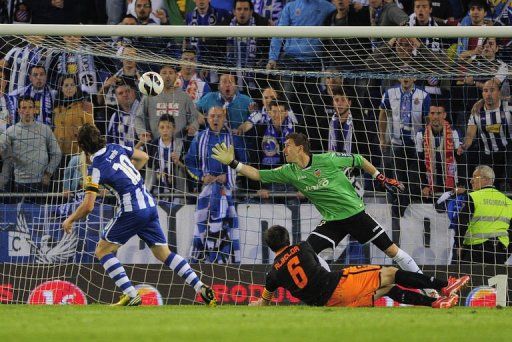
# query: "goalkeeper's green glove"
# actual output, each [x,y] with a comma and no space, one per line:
[223,153]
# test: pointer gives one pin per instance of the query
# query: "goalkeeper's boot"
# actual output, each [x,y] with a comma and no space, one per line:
[128,301]
[446,302]
[454,285]
[208,296]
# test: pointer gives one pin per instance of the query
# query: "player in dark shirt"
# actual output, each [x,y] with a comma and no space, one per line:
[297,269]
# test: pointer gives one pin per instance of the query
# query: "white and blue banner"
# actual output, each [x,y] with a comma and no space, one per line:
[31,233]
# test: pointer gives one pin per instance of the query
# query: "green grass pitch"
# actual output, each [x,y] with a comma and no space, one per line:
[242,323]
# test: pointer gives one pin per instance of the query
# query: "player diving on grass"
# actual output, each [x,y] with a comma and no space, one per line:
[321,179]
[297,269]
[116,167]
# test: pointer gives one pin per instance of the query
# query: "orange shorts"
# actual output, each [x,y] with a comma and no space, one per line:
[357,287]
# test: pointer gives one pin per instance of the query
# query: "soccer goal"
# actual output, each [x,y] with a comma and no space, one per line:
[401,97]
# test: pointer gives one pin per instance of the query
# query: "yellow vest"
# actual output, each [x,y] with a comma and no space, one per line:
[491,218]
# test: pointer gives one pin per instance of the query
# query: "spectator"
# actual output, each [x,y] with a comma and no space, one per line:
[188,78]
[394,55]
[121,126]
[238,105]
[422,17]
[165,159]
[299,53]
[261,116]
[148,11]
[342,51]
[38,90]
[216,238]
[129,73]
[21,13]
[72,110]
[6,111]
[54,11]
[271,135]
[387,13]
[466,90]
[20,59]
[477,10]
[116,10]
[6,120]
[493,123]
[206,15]
[483,60]
[440,10]
[347,14]
[406,105]
[34,162]
[172,101]
[349,131]
[485,221]
[247,52]
[436,145]
[119,41]
[71,63]
[496,13]
[128,20]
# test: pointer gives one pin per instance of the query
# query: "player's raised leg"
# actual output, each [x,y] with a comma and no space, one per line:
[115,270]
[391,276]
[179,265]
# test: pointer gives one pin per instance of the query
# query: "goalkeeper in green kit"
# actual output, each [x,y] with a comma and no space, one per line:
[321,179]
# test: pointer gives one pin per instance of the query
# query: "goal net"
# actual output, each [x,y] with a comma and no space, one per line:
[414,103]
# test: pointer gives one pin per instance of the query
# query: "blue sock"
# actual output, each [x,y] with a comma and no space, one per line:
[116,271]
[179,265]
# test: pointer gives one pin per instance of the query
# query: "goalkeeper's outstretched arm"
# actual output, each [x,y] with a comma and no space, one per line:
[389,184]
[226,155]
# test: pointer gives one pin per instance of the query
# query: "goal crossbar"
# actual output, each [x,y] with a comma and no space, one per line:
[258,31]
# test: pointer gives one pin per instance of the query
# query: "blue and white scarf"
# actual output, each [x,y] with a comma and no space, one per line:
[216,236]
[43,98]
[433,44]
[340,134]
[20,61]
[121,127]
[241,52]
[209,19]
[270,9]
[81,65]
[165,164]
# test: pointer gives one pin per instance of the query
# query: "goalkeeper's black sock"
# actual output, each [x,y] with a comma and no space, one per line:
[418,280]
[409,297]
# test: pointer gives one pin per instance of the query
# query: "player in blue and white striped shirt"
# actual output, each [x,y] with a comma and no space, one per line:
[116,167]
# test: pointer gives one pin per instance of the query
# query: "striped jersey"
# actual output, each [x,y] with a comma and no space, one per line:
[494,127]
[408,110]
[112,167]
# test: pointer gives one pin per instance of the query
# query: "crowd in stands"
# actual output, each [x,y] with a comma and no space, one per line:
[431,131]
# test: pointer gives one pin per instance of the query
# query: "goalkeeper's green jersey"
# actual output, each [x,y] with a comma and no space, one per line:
[323,182]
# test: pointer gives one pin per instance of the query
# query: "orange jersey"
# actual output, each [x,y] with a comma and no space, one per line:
[356,287]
